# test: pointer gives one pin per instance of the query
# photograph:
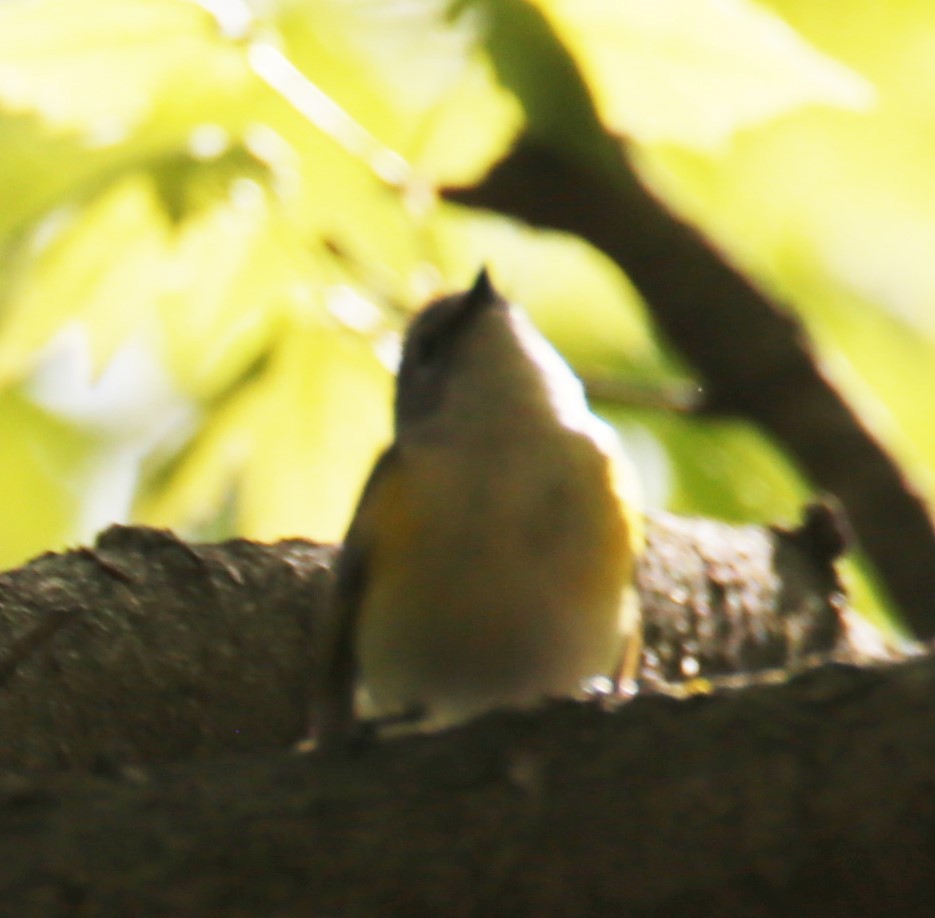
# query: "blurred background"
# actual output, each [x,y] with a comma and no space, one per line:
[215,218]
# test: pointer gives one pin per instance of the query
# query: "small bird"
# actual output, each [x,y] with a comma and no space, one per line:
[491,558]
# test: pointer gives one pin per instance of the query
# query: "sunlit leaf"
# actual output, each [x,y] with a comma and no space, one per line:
[696,71]
[43,465]
[325,416]
[198,486]
[60,59]
[101,267]
[470,128]
[410,74]
[727,470]
[91,88]
[293,448]
[38,170]
[230,272]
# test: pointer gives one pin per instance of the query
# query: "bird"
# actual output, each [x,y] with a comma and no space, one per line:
[490,561]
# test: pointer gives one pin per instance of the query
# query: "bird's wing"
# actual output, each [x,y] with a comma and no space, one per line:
[338,659]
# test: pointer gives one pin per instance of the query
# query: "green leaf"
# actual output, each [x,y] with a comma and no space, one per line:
[727,470]
[409,74]
[90,89]
[61,59]
[293,447]
[694,72]
[327,414]
[230,273]
[43,467]
[101,268]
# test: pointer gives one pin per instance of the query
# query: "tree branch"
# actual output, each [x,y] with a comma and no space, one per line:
[765,800]
[809,798]
[146,648]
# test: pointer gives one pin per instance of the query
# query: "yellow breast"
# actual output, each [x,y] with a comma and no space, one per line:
[495,580]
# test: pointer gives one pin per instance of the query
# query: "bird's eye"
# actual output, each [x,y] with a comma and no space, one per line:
[435,334]
[425,350]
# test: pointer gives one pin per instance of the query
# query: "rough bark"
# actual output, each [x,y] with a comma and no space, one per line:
[812,797]
[146,648]
[812,794]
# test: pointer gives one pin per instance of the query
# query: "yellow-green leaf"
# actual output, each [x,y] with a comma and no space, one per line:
[101,267]
[694,72]
[326,414]
[293,447]
[43,465]
[100,67]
